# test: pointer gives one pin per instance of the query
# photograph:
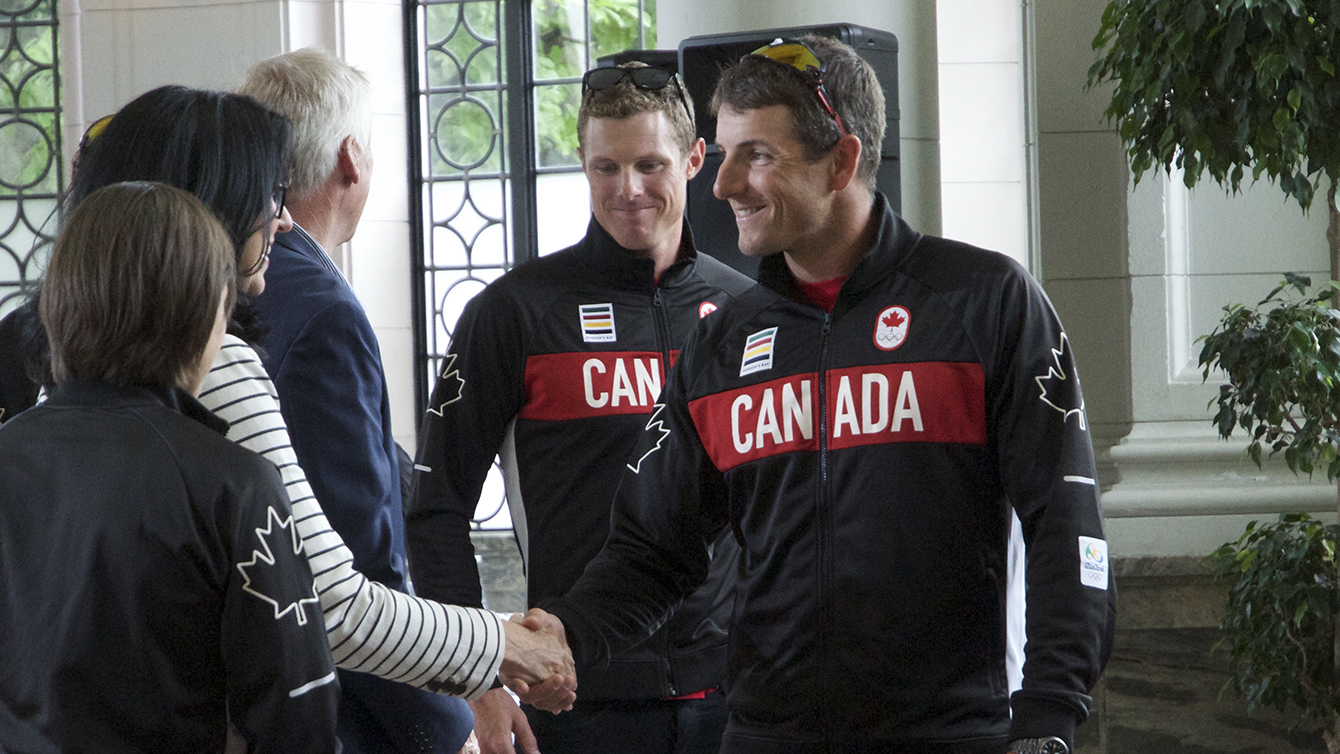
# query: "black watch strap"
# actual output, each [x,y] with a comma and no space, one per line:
[1048,745]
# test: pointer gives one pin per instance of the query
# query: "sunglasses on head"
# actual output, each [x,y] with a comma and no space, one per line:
[799,56]
[94,130]
[650,79]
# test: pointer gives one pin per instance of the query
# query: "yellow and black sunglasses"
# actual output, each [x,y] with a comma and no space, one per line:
[799,56]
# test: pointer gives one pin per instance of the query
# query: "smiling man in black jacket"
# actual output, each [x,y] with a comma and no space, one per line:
[556,366]
[863,421]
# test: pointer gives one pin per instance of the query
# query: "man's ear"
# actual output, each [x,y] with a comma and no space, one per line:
[697,154]
[846,159]
[350,160]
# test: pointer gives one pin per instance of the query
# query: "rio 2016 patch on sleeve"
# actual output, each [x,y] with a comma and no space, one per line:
[1093,562]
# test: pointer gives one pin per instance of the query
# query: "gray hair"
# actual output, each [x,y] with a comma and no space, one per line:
[327,100]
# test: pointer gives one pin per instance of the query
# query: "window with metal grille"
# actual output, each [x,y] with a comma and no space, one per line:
[31,176]
[494,89]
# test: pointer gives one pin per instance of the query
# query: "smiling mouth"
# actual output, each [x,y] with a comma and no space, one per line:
[744,212]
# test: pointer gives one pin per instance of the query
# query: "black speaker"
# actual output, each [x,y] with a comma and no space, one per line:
[701,60]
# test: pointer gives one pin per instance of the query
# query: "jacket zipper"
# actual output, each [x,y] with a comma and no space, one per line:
[662,321]
[662,331]
[822,514]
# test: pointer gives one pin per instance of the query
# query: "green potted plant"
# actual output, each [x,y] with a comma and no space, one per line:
[1235,88]
[1282,622]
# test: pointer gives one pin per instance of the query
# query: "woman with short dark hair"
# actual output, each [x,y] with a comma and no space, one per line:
[128,303]
[153,592]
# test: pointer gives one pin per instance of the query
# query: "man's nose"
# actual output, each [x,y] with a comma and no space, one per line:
[727,183]
[630,183]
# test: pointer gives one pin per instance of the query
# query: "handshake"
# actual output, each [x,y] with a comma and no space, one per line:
[538,664]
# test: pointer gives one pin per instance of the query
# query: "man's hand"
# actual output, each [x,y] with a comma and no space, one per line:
[497,719]
[538,664]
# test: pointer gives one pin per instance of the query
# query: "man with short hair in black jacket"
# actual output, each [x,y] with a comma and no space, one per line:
[863,420]
[557,366]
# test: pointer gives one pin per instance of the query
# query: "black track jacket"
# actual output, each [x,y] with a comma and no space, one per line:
[556,366]
[866,461]
[154,586]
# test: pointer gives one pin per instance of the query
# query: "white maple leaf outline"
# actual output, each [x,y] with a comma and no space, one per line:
[653,422]
[449,372]
[267,557]
[1058,373]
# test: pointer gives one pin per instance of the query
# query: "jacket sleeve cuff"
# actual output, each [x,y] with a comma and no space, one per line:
[582,638]
[470,674]
[1037,715]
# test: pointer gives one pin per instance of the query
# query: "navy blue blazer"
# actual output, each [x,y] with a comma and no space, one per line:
[324,360]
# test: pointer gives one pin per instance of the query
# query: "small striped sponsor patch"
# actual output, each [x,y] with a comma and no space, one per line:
[597,323]
[758,351]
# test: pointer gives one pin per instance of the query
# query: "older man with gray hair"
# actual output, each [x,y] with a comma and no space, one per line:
[326,365]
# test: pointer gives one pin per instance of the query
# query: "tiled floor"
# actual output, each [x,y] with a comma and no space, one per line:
[1162,696]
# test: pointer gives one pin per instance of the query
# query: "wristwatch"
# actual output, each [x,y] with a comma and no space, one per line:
[1048,745]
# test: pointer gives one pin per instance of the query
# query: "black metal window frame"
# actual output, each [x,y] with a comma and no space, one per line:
[25,238]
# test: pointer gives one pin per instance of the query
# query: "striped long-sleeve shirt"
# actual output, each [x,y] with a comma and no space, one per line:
[371,628]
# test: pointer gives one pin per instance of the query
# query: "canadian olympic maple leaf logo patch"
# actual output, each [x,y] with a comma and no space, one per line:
[891,327]
[450,386]
[654,424]
[1061,390]
[280,546]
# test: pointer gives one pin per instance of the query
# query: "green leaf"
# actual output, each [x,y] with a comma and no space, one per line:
[1281,119]
[1298,281]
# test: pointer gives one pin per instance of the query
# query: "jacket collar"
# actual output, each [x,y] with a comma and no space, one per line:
[82,392]
[894,242]
[301,242]
[600,253]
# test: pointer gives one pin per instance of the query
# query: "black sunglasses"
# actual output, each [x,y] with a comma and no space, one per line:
[650,79]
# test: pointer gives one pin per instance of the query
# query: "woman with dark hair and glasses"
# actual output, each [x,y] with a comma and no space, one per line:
[230,151]
[227,149]
[137,614]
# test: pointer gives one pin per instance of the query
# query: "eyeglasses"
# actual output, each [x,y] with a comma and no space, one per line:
[649,79]
[281,190]
[277,200]
[799,56]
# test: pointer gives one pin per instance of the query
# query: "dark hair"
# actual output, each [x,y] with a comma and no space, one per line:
[624,100]
[853,89]
[229,150]
[134,284]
